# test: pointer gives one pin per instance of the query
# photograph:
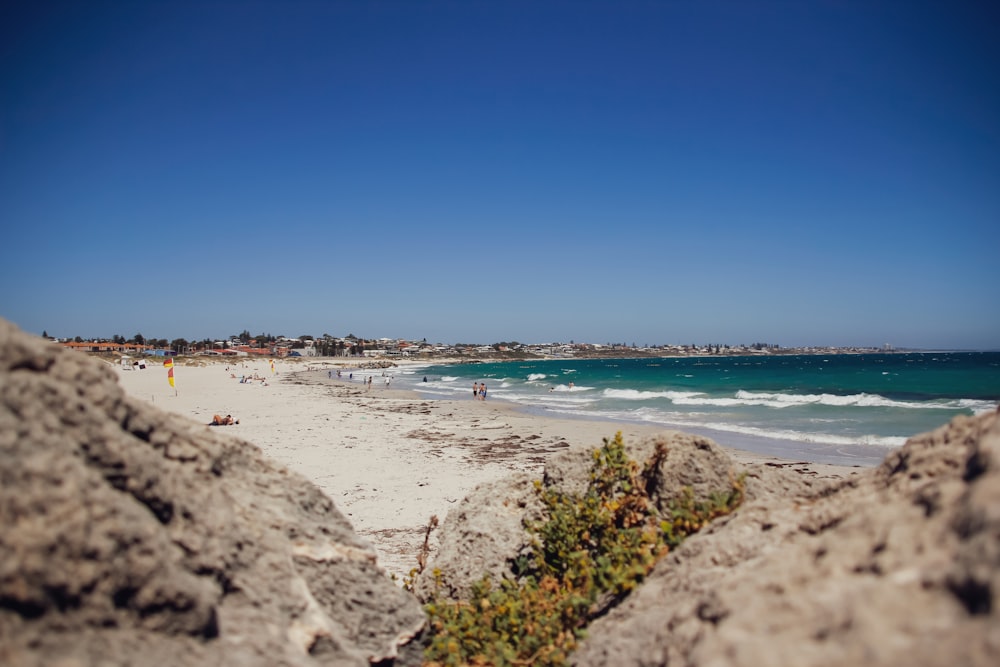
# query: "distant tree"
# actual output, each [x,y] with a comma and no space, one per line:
[45,334]
[178,345]
[264,339]
[78,339]
[244,337]
[138,339]
[306,337]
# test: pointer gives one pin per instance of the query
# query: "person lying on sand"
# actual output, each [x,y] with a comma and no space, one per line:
[223,421]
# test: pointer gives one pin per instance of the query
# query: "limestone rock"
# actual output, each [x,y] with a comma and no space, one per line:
[482,535]
[131,536]
[900,565]
[692,462]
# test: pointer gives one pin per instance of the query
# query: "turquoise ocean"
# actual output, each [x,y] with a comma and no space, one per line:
[840,408]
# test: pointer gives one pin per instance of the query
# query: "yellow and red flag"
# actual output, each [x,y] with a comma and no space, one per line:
[272,365]
[169,365]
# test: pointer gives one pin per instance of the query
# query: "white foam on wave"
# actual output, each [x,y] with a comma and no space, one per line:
[548,399]
[777,401]
[448,378]
[536,377]
[857,400]
[685,421]
[566,387]
[723,402]
[413,369]
[636,395]
[979,407]
[817,438]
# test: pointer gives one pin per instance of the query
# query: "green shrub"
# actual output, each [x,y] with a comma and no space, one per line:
[588,553]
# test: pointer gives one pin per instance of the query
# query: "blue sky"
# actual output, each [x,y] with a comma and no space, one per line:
[800,173]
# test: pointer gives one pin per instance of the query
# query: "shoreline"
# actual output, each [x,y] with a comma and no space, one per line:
[747,445]
[864,456]
[813,451]
[388,458]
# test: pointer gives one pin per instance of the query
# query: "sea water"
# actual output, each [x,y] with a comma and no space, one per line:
[837,408]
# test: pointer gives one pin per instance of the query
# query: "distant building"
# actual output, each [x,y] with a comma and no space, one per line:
[107,346]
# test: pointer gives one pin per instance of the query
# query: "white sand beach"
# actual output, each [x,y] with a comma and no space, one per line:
[389,459]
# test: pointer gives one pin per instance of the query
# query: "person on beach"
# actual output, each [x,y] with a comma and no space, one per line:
[475,390]
[482,392]
[223,421]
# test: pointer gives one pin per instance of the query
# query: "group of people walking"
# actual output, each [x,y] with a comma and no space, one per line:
[479,391]
[366,381]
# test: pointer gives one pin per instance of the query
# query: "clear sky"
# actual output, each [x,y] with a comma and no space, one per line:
[800,173]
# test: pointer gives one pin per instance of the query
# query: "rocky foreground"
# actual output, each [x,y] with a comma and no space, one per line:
[132,537]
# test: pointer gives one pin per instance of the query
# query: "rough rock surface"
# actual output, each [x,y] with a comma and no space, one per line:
[900,565]
[485,529]
[130,536]
[895,565]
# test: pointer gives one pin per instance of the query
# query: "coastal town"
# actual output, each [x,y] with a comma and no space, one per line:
[245,345]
